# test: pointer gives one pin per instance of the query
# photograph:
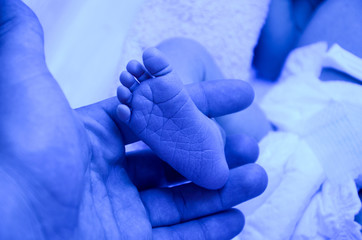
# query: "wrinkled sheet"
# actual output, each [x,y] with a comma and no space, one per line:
[314,157]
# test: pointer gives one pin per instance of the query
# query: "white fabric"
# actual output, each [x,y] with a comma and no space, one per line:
[314,158]
[87,42]
[83,44]
[344,61]
[228,29]
[294,176]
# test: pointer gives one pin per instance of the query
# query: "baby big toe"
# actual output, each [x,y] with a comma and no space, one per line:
[155,62]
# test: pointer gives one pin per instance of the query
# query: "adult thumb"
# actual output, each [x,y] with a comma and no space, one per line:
[21,42]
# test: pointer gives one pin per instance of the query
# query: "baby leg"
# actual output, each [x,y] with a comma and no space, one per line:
[191,60]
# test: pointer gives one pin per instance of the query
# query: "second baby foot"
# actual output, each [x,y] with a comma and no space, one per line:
[157,108]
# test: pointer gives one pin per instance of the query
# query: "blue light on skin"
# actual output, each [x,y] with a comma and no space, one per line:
[62,174]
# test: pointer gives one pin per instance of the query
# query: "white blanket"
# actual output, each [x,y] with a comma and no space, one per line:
[314,158]
[88,44]
[228,29]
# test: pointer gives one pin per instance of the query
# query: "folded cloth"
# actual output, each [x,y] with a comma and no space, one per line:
[228,29]
[316,157]
[295,175]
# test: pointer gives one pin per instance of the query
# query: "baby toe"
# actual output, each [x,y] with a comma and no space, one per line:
[138,71]
[128,81]
[123,113]
[124,95]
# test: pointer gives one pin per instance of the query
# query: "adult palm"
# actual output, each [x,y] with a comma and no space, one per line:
[62,171]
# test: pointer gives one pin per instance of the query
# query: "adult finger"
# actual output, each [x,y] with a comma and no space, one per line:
[147,171]
[213,98]
[170,206]
[220,97]
[21,45]
[224,225]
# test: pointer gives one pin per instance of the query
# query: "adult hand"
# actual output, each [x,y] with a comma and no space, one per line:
[61,171]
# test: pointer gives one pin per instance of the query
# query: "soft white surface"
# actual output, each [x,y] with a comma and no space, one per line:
[87,42]
[83,44]
[295,175]
[314,158]
[344,61]
[228,29]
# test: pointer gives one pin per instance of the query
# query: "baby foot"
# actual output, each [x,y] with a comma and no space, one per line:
[158,109]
